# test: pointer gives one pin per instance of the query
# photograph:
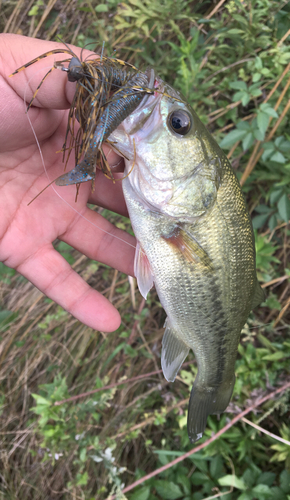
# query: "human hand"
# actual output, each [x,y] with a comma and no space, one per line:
[27,232]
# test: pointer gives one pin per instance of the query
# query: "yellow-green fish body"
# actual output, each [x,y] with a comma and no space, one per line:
[195,243]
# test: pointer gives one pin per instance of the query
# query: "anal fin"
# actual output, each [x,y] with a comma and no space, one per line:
[174,352]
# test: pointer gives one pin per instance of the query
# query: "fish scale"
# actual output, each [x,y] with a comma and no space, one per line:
[194,242]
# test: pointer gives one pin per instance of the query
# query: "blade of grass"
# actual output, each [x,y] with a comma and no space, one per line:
[274,436]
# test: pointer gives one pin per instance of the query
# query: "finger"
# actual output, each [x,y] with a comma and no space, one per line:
[15,50]
[52,274]
[100,240]
[108,194]
[56,92]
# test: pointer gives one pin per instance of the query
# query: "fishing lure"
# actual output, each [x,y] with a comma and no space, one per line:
[121,105]
[107,91]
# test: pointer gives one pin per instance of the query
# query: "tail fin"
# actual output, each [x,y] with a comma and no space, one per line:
[204,402]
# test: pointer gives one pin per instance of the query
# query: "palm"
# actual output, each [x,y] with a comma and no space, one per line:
[27,232]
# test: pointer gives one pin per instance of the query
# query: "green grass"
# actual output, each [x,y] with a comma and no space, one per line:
[226,66]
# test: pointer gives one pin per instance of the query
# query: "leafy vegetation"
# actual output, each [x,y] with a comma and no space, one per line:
[231,60]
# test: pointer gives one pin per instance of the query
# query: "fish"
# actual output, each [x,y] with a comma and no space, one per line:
[195,243]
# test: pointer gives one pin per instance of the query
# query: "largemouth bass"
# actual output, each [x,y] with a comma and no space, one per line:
[194,242]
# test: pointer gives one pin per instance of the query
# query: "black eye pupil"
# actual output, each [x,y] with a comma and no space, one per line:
[180,122]
[176,122]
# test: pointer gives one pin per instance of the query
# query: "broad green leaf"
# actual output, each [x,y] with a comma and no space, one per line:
[275,195]
[273,303]
[130,351]
[263,121]
[141,22]
[244,126]
[263,209]
[256,92]
[4,315]
[246,99]
[50,432]
[63,247]
[5,270]
[168,490]
[246,496]
[82,479]
[234,31]
[259,135]
[285,481]
[266,155]
[239,85]
[40,400]
[278,157]
[250,475]
[271,112]
[216,466]
[267,478]
[257,77]
[262,489]
[278,141]
[83,455]
[258,63]
[185,483]
[259,220]
[68,257]
[278,493]
[142,494]
[169,452]
[248,141]
[268,344]
[232,137]
[199,478]
[102,7]
[230,480]
[284,208]
[273,222]
[275,356]
[284,146]
[33,11]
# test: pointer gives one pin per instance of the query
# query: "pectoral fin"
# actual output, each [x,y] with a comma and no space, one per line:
[142,271]
[174,352]
[259,296]
[185,243]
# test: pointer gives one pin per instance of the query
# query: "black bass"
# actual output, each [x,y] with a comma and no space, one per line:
[194,242]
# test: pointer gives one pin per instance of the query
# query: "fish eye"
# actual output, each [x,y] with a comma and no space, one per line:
[180,121]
